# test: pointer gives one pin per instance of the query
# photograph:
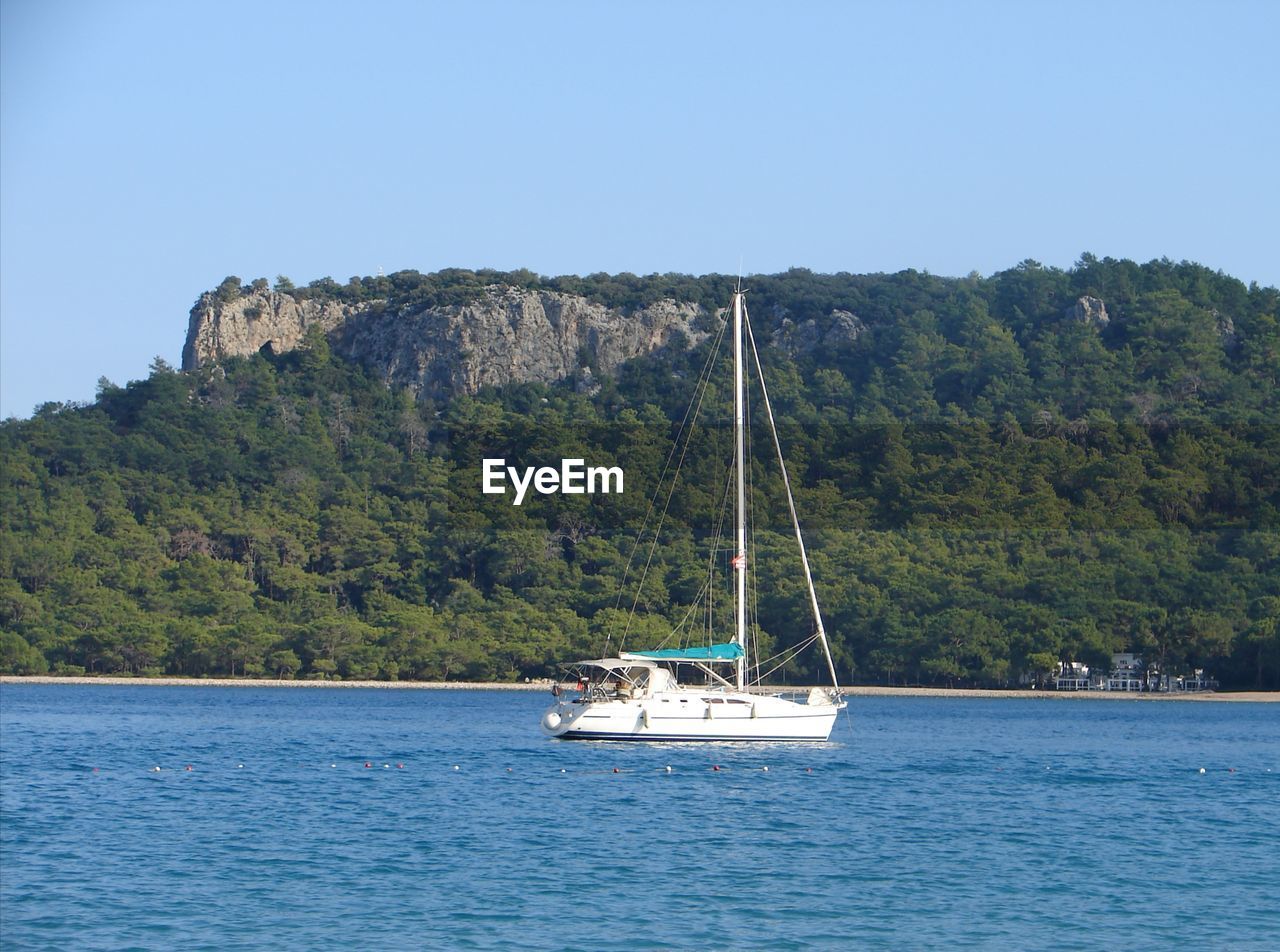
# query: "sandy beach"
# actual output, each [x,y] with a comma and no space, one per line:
[869,691]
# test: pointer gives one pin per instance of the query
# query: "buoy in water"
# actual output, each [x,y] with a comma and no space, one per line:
[188,766]
[456,767]
[155,769]
[765,769]
[668,768]
[367,765]
[715,766]
[615,770]
[1202,770]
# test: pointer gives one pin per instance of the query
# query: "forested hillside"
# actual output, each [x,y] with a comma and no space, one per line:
[993,473]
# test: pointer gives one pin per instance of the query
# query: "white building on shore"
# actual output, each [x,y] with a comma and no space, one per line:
[1072,676]
[1128,672]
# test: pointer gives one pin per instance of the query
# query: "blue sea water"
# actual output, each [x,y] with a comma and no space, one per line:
[924,823]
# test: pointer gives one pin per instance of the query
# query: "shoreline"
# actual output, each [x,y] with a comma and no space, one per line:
[866,691]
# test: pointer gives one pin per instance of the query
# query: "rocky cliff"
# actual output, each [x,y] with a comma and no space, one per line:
[505,335]
[245,323]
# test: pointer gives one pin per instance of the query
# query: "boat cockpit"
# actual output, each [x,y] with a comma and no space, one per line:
[615,679]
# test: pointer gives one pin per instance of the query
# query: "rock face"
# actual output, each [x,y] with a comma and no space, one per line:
[244,325]
[507,335]
[792,338]
[1226,330]
[1089,310]
[804,338]
[846,327]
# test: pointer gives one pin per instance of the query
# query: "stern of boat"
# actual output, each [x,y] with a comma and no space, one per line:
[559,717]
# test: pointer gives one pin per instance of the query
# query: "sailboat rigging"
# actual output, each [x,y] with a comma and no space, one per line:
[637,696]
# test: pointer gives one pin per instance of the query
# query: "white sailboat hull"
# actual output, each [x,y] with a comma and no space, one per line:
[691,715]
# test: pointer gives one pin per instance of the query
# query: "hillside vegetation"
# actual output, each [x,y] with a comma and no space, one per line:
[992,477]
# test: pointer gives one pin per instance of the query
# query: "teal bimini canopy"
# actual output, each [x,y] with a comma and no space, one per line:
[726,652]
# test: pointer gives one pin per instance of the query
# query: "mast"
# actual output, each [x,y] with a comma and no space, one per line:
[795,519]
[740,508]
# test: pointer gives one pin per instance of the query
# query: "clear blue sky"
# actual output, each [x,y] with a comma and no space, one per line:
[149,149]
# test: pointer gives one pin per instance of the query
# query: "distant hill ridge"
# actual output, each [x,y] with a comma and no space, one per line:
[456,331]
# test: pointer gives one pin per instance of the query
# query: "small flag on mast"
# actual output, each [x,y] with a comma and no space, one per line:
[739,561]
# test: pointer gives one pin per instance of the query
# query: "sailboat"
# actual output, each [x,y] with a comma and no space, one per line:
[638,695]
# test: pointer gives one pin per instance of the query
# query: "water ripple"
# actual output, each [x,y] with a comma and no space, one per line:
[940,823]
